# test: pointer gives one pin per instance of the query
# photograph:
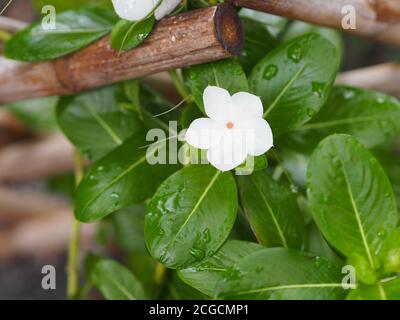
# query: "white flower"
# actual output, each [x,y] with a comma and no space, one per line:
[136,10]
[235,129]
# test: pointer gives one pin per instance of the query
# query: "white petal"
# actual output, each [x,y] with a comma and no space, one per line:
[230,152]
[259,137]
[204,133]
[217,103]
[133,10]
[166,7]
[246,106]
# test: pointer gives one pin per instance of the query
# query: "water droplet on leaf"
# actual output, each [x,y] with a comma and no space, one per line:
[270,72]
[295,52]
[198,254]
[318,88]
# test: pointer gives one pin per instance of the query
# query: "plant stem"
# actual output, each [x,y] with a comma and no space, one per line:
[73,250]
[179,84]
[4,36]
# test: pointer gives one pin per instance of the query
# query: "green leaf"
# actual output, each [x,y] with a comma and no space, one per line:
[274,24]
[38,114]
[252,164]
[62,5]
[129,34]
[372,117]
[190,216]
[227,74]
[294,80]
[189,114]
[272,211]
[298,28]
[205,275]
[350,197]
[95,123]
[383,290]
[128,227]
[75,29]
[116,181]
[116,282]
[179,290]
[257,43]
[281,274]
[390,253]
[317,245]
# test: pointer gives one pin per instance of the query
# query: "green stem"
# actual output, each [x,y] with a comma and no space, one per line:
[4,36]
[73,249]
[179,84]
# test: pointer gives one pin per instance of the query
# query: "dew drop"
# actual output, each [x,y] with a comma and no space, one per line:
[115,197]
[206,235]
[270,72]
[100,168]
[198,254]
[318,262]
[318,88]
[348,94]
[259,269]
[295,52]
[294,188]
[193,75]
[380,100]
[311,112]
[233,274]
[381,234]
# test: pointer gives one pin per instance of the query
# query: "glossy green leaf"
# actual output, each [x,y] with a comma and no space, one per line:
[317,245]
[350,197]
[384,290]
[274,24]
[117,180]
[95,123]
[39,114]
[226,74]
[390,253]
[205,275]
[298,28]
[294,80]
[75,29]
[257,43]
[281,274]
[62,5]
[116,282]
[129,34]
[252,164]
[179,290]
[128,227]
[191,215]
[272,211]
[189,114]
[372,117]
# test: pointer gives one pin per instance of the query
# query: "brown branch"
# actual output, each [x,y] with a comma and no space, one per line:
[384,78]
[194,37]
[379,19]
[33,160]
